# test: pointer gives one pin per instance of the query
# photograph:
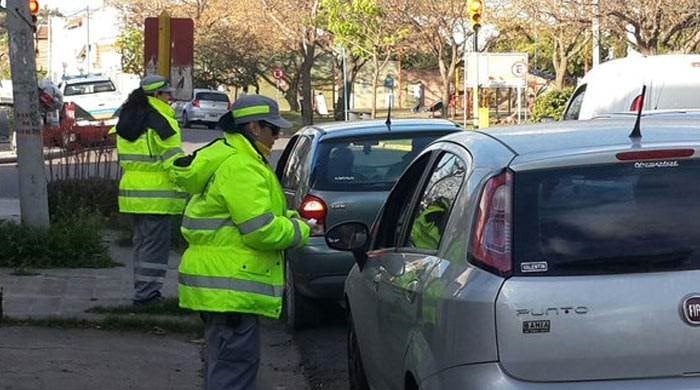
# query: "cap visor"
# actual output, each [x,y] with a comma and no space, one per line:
[169,90]
[279,122]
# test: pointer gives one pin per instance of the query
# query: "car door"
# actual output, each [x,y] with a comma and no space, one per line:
[403,273]
[292,168]
[362,285]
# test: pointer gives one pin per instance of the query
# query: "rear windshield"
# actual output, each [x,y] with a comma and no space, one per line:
[89,88]
[366,164]
[212,97]
[618,218]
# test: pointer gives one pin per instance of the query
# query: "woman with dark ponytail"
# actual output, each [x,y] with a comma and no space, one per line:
[148,143]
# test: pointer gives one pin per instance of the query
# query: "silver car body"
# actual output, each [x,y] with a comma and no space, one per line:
[206,107]
[436,320]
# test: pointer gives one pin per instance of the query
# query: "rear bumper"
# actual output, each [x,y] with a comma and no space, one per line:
[319,272]
[205,116]
[492,376]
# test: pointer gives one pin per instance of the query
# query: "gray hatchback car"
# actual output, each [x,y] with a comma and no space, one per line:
[559,256]
[336,172]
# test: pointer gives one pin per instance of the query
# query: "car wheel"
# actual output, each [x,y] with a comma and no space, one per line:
[298,311]
[211,126]
[356,371]
[185,120]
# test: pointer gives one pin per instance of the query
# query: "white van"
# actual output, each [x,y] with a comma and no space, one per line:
[673,83]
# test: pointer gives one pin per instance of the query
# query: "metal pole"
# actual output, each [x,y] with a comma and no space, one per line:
[88,39]
[33,199]
[475,88]
[345,84]
[596,32]
[520,103]
[464,80]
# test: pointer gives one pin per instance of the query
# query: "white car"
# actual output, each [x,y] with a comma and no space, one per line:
[206,107]
[672,81]
[95,98]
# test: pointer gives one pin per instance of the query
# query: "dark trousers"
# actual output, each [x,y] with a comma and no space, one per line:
[151,253]
[233,351]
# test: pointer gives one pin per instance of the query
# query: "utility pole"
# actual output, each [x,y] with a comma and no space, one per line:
[33,199]
[475,90]
[87,25]
[595,23]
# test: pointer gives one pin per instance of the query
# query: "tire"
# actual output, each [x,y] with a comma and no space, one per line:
[298,311]
[185,120]
[211,126]
[356,370]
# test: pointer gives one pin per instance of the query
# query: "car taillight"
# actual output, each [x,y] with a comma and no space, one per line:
[195,103]
[491,238]
[314,208]
[637,103]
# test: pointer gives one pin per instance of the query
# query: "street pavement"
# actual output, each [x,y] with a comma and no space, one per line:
[51,358]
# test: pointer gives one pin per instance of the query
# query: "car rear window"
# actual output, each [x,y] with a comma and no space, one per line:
[367,163]
[89,88]
[618,218]
[212,97]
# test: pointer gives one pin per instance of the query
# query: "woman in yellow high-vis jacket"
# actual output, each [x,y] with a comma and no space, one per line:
[148,142]
[237,226]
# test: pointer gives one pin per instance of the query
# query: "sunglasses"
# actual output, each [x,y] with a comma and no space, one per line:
[275,130]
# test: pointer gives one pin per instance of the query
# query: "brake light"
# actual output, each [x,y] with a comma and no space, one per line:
[195,103]
[491,238]
[314,208]
[655,154]
[637,103]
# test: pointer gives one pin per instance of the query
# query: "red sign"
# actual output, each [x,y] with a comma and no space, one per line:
[278,73]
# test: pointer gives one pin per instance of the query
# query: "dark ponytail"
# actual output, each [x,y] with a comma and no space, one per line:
[137,99]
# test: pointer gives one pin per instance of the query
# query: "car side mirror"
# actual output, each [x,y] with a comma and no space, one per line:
[350,237]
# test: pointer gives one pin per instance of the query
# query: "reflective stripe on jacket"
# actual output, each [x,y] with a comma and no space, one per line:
[145,187]
[237,226]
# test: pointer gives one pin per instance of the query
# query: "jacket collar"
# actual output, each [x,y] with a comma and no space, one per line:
[162,107]
[242,144]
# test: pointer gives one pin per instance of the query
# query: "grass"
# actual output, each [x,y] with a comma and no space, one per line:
[168,306]
[156,325]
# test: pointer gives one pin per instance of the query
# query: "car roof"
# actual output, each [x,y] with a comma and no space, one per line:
[198,90]
[657,67]
[85,79]
[369,127]
[590,135]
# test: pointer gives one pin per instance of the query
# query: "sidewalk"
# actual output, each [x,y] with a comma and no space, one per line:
[52,358]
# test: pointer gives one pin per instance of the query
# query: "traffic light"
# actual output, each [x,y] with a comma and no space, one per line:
[34,11]
[476,7]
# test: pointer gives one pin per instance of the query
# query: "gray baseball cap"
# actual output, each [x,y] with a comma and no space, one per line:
[156,83]
[251,108]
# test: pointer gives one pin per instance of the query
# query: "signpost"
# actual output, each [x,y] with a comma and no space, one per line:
[278,74]
[169,51]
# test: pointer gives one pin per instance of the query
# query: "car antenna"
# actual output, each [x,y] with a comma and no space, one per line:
[388,117]
[637,131]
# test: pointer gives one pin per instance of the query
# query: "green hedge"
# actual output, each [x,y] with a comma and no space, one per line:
[551,104]
[71,241]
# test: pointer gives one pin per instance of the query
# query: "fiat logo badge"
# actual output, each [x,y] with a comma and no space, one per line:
[691,309]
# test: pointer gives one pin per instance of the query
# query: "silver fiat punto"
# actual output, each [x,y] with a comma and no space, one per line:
[558,256]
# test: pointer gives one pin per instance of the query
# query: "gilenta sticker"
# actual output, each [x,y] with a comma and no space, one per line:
[534,266]
[538,326]
[656,164]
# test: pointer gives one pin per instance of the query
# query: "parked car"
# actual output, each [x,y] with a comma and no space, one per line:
[672,82]
[94,98]
[206,107]
[337,172]
[556,256]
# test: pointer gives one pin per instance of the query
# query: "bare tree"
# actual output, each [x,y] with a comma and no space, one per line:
[298,23]
[654,26]
[434,26]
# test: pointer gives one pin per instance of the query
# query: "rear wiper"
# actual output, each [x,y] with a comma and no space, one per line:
[677,255]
